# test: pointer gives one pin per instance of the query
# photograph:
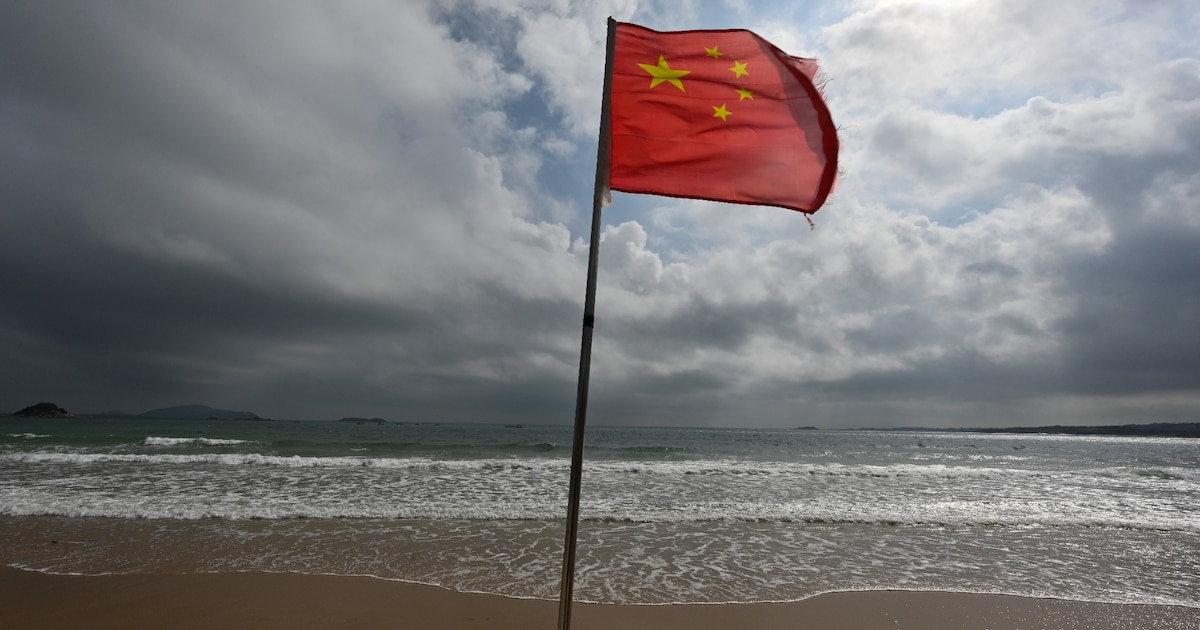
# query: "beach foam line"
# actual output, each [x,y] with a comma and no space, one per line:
[284,461]
[270,601]
[265,508]
[701,468]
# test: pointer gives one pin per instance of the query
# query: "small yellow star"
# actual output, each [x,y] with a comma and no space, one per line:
[663,72]
[744,94]
[721,112]
[713,52]
[738,69]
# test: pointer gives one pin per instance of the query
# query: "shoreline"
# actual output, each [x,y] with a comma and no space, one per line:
[265,601]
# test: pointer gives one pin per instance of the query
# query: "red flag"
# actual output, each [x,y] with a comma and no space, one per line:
[719,115]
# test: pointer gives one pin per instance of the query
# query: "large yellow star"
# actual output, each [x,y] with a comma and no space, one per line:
[713,52]
[738,69]
[663,72]
[721,112]
[744,94]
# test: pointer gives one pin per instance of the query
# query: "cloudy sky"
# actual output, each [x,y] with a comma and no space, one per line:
[312,210]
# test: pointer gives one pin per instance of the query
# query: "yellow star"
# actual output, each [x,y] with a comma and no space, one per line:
[713,52]
[738,69]
[721,112]
[744,94]
[663,72]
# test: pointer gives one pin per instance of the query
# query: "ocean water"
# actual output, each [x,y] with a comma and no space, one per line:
[668,515]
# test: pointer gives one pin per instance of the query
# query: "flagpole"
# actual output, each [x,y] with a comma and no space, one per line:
[599,197]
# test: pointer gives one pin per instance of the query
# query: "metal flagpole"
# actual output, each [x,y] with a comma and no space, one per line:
[599,198]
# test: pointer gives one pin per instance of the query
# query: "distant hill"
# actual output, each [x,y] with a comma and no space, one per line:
[196,412]
[1156,429]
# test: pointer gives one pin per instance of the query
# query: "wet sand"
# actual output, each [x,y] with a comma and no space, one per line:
[268,601]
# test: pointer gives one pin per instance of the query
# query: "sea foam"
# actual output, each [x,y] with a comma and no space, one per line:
[197,441]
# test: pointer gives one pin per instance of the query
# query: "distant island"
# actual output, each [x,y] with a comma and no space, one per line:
[364,420]
[181,412]
[45,410]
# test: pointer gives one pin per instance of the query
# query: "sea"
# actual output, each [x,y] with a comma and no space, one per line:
[668,515]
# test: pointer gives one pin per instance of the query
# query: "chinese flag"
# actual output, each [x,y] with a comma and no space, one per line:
[719,115]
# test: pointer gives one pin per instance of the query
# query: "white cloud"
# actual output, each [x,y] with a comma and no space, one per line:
[904,50]
[564,48]
[870,290]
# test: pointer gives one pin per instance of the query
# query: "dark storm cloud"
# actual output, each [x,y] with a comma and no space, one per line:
[896,331]
[1135,325]
[215,202]
[314,211]
[700,324]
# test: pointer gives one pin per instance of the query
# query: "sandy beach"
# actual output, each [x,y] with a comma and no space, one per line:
[265,601]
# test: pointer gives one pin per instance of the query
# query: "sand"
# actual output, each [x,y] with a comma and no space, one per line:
[267,601]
